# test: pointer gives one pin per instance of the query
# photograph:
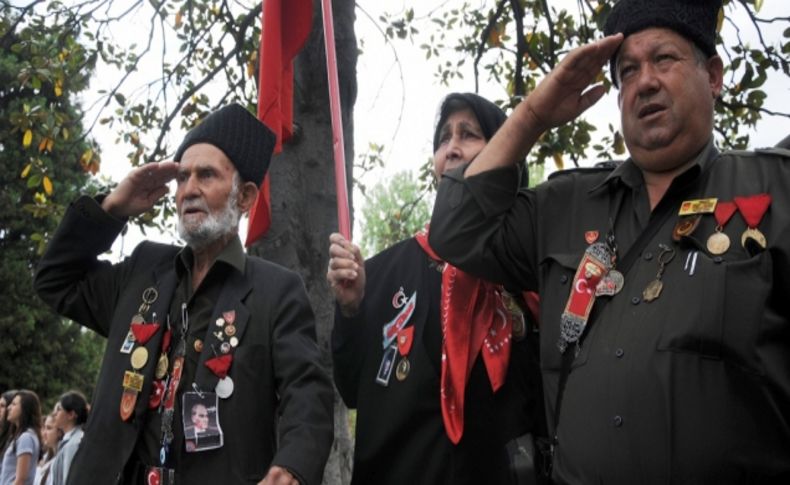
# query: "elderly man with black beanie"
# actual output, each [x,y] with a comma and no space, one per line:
[204,323]
[665,322]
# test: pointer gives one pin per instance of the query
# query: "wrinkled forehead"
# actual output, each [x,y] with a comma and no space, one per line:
[648,41]
[463,117]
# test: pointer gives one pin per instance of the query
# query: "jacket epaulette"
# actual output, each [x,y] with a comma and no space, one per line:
[606,166]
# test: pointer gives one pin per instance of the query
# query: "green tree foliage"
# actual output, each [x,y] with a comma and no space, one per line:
[395,210]
[514,43]
[42,165]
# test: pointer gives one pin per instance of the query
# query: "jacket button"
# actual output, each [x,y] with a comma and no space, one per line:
[635,300]
[564,279]
[648,256]
[619,353]
[618,421]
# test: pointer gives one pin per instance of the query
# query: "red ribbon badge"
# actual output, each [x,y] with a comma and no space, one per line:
[144,331]
[405,339]
[723,212]
[753,208]
[220,365]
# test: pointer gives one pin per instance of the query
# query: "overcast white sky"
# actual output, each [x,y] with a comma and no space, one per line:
[397,99]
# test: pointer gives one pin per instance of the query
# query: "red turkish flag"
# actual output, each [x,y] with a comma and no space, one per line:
[286,25]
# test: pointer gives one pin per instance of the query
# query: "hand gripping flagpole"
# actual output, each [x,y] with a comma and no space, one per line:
[343,219]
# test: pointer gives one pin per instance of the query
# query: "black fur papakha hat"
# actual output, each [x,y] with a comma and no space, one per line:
[244,139]
[693,19]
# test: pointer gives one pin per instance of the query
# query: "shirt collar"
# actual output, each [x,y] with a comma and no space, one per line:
[630,175]
[232,254]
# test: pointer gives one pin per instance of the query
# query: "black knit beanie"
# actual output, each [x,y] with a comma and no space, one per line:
[693,19]
[246,141]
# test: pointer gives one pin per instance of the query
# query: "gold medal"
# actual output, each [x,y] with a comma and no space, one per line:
[198,345]
[402,371]
[161,366]
[139,358]
[230,330]
[756,235]
[718,243]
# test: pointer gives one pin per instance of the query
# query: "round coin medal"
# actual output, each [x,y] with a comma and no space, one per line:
[138,319]
[234,341]
[198,345]
[718,243]
[755,234]
[224,387]
[161,366]
[230,330]
[224,347]
[139,357]
[402,371]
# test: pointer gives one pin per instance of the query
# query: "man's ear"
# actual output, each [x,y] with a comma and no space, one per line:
[247,195]
[715,68]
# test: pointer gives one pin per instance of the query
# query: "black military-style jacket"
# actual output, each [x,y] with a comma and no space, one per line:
[692,387]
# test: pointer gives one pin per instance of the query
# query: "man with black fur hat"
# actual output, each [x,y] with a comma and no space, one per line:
[665,322]
[204,323]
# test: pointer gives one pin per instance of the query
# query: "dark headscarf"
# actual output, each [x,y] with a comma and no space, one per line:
[693,19]
[489,116]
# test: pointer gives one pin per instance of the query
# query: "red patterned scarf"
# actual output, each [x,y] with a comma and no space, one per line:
[474,320]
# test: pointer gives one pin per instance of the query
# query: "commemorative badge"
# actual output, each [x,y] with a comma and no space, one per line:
[698,206]
[596,262]
[386,365]
[405,340]
[653,289]
[718,242]
[398,323]
[753,208]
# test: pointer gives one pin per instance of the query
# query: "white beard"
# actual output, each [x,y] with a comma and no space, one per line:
[214,225]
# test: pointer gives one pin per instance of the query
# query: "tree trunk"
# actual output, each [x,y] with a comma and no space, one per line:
[303,192]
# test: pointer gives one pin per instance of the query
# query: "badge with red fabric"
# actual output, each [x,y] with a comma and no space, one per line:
[144,331]
[753,208]
[398,323]
[595,264]
[220,365]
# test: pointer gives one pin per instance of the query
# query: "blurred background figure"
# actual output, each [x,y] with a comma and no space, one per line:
[50,437]
[71,412]
[5,426]
[23,448]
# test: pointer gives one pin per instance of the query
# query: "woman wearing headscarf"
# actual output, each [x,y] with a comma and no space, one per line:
[24,445]
[435,362]
[71,412]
